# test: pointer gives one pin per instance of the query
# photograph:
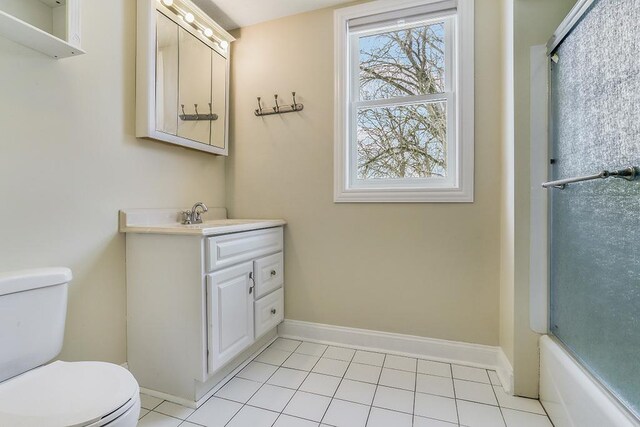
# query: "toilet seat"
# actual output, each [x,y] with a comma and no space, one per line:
[67,394]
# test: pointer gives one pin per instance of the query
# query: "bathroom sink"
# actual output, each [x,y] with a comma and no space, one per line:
[165,221]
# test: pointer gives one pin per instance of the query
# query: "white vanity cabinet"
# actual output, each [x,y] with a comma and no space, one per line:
[238,307]
[199,304]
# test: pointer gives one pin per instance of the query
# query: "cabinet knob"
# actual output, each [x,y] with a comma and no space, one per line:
[273,272]
[273,311]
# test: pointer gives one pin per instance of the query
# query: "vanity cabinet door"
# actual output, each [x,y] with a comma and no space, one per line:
[230,313]
[194,87]
[219,99]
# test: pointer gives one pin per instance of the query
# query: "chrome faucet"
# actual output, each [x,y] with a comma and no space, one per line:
[194,216]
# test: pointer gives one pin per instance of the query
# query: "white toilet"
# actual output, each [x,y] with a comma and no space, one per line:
[33,307]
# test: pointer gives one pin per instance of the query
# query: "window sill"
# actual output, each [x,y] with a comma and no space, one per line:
[395,195]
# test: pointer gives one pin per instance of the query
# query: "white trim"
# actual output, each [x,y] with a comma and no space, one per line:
[539,230]
[481,356]
[463,89]
[571,396]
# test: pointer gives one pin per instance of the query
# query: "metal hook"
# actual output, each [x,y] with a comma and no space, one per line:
[196,108]
[259,105]
[295,104]
[183,113]
[210,109]
[277,107]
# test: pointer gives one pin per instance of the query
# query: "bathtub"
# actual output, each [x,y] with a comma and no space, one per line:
[571,396]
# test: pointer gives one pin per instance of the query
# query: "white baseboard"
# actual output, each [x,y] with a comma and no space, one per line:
[481,356]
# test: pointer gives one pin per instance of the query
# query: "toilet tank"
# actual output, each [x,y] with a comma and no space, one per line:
[33,308]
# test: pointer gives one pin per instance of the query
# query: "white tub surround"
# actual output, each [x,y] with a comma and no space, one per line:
[200,298]
[571,396]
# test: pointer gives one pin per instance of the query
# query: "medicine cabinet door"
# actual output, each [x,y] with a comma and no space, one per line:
[167,76]
[194,89]
[219,99]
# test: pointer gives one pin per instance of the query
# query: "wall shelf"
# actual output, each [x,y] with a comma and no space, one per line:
[23,32]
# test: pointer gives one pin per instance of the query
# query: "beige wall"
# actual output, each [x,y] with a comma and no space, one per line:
[425,269]
[533,23]
[69,161]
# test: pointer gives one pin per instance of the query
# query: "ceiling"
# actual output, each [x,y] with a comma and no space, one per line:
[232,14]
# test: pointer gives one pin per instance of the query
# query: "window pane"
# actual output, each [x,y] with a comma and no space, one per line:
[400,63]
[408,141]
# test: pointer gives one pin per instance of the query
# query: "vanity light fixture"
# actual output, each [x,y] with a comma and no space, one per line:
[189,17]
[208,32]
[179,9]
[167,3]
[224,44]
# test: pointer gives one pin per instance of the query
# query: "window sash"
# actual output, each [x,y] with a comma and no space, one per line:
[449,96]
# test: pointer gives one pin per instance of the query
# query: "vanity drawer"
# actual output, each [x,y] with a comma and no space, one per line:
[230,249]
[269,273]
[269,312]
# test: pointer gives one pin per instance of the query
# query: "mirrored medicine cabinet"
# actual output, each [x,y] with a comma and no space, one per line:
[182,76]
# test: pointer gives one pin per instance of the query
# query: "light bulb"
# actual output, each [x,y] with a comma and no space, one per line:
[208,32]
[168,3]
[189,17]
[224,44]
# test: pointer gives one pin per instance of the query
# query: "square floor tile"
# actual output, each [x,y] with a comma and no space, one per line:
[430,422]
[346,414]
[399,379]
[385,418]
[525,419]
[394,399]
[253,417]
[479,415]
[368,358]
[339,353]
[356,391]
[149,402]
[431,384]
[518,403]
[475,392]
[308,406]
[436,407]
[154,419]
[285,344]
[311,349]
[238,390]
[143,412]
[325,385]
[257,371]
[174,410]
[337,368]
[273,356]
[494,378]
[271,397]
[470,374]
[364,373]
[400,362]
[434,368]
[215,412]
[289,378]
[303,362]
[289,421]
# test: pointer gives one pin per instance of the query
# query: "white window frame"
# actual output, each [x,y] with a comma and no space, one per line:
[459,81]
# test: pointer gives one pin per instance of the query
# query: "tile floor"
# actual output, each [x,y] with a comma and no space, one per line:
[302,384]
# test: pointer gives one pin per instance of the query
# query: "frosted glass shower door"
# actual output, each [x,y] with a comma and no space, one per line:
[595,225]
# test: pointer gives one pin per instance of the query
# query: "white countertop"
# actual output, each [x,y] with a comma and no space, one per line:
[166,221]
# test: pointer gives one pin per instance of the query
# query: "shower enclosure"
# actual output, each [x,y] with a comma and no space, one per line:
[594,260]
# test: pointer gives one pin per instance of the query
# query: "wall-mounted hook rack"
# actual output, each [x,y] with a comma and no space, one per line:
[278,109]
[197,116]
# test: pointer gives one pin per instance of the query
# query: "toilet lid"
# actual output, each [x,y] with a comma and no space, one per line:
[65,394]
